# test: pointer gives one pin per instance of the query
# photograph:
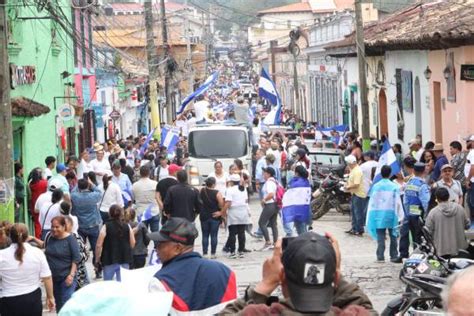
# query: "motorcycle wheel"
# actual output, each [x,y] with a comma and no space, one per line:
[319,207]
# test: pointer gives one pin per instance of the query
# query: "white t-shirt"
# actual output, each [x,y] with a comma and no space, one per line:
[102,167]
[366,168]
[18,279]
[237,214]
[200,109]
[113,195]
[43,199]
[277,155]
[144,191]
[75,223]
[270,186]
[163,173]
[47,173]
[46,216]
[221,182]
[84,167]
[469,163]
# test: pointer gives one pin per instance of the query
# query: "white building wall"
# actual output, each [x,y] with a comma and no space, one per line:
[415,61]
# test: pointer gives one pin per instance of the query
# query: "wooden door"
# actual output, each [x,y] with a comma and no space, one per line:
[383,117]
[438,114]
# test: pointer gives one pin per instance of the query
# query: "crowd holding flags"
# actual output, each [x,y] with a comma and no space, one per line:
[387,157]
[210,81]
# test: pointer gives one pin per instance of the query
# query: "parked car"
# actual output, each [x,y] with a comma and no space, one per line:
[325,161]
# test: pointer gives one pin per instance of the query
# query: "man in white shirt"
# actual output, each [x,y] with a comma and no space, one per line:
[85,165]
[50,162]
[469,173]
[60,182]
[161,171]
[415,149]
[146,200]
[100,165]
[368,169]
[201,108]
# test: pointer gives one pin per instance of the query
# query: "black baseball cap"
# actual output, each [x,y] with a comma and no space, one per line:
[310,266]
[176,229]
[269,170]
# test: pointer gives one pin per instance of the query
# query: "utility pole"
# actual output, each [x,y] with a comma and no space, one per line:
[6,137]
[187,34]
[166,51]
[152,67]
[362,75]
[273,45]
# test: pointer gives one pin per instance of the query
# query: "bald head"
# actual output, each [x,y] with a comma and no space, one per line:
[459,292]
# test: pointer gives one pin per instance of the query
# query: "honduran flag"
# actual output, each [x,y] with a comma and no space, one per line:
[268,91]
[147,214]
[210,81]
[296,201]
[145,145]
[169,138]
[387,157]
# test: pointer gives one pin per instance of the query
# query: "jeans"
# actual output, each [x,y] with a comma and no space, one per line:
[288,228]
[381,244]
[153,223]
[62,292]
[301,228]
[114,269]
[210,228]
[91,233]
[470,200]
[238,230]
[358,208]
[410,224]
[269,215]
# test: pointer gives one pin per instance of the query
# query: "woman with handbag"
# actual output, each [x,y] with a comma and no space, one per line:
[210,216]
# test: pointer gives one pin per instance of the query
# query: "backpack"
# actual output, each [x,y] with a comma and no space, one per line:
[280,191]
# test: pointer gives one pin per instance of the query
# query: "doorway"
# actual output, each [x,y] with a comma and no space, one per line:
[383,117]
[438,114]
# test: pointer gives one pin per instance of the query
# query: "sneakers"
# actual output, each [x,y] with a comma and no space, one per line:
[350,232]
[380,261]
[232,255]
[241,254]
[225,249]
[246,250]
[214,256]
[205,255]
[396,260]
[267,247]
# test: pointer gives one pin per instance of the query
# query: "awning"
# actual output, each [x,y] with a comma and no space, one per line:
[22,106]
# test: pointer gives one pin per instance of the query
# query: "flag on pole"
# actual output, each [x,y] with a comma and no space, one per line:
[205,86]
[387,157]
[169,138]
[146,143]
[267,90]
[296,201]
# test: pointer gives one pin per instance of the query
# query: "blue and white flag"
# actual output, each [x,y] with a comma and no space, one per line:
[146,214]
[296,201]
[268,91]
[169,138]
[145,145]
[205,86]
[387,157]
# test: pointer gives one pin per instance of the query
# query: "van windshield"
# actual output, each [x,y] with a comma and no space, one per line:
[217,144]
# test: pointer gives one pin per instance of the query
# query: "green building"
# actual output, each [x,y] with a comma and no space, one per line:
[41,61]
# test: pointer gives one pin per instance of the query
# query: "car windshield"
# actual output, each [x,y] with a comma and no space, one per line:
[326,158]
[217,144]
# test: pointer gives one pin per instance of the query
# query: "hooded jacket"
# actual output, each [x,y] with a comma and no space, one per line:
[446,224]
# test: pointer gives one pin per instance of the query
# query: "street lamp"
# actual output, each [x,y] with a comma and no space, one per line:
[427,73]
[447,72]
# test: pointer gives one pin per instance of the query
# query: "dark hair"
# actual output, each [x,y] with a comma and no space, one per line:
[60,219]
[301,171]
[182,176]
[35,176]
[92,176]
[429,145]
[105,181]
[18,235]
[65,208]
[386,171]
[238,163]
[422,159]
[57,196]
[18,167]
[456,145]
[398,147]
[70,175]
[117,216]
[112,159]
[218,163]
[49,160]
[409,162]
[144,171]
[210,182]
[71,158]
[442,194]
[82,184]
[123,163]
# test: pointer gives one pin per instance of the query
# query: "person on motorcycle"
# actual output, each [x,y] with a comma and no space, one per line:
[308,269]
[355,185]
[446,223]
[458,293]
[415,203]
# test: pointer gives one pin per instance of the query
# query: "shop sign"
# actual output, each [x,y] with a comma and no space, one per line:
[22,75]
[115,115]
[467,72]
[66,112]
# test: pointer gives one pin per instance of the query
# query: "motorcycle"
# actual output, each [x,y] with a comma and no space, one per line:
[331,194]
[425,274]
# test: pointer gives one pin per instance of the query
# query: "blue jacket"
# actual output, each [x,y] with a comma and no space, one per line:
[84,206]
[416,198]
[441,161]
[197,283]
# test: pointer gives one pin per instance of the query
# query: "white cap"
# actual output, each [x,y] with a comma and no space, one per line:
[374,143]
[351,159]
[234,177]
[470,138]
[54,184]
[414,141]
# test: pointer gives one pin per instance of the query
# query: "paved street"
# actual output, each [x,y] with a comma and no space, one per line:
[379,281]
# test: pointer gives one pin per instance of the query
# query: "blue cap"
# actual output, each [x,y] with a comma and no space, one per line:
[60,167]
[419,167]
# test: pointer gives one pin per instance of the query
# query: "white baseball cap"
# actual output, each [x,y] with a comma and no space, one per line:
[351,159]
[470,138]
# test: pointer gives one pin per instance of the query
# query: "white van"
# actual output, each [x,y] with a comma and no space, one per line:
[209,143]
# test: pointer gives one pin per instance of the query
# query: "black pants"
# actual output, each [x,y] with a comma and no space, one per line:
[410,224]
[22,305]
[238,230]
[138,261]
[268,217]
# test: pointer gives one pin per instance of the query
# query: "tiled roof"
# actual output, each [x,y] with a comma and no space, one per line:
[314,6]
[432,25]
[22,106]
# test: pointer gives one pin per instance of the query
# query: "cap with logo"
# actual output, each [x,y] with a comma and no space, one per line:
[309,262]
[176,229]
